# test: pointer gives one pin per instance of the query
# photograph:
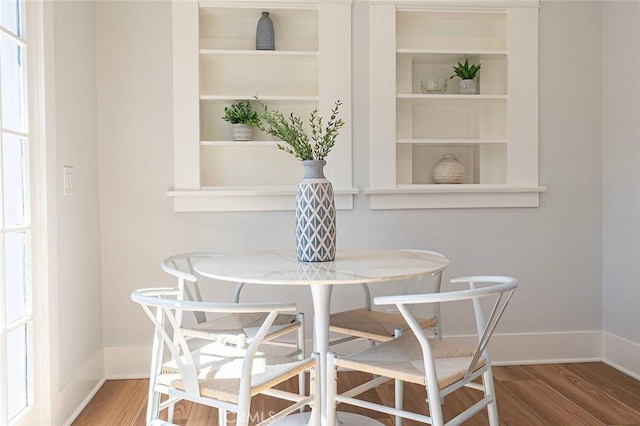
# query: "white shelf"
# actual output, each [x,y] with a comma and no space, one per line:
[452,97]
[453,196]
[274,198]
[446,142]
[244,52]
[494,133]
[247,144]
[270,98]
[215,64]
[246,6]
[459,188]
[449,56]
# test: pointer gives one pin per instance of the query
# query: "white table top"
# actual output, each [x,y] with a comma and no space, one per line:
[350,267]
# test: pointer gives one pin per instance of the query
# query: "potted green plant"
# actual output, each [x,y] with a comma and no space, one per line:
[243,117]
[315,205]
[468,84]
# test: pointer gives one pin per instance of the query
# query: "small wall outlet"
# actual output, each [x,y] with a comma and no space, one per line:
[68,180]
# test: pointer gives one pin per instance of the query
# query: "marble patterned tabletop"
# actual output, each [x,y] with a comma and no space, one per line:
[350,267]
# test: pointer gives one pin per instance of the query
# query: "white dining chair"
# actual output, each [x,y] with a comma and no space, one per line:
[241,324]
[439,365]
[181,267]
[364,322]
[378,326]
[226,372]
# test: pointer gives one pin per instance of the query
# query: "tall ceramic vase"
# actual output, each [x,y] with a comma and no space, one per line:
[265,36]
[315,215]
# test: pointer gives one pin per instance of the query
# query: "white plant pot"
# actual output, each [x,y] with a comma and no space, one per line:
[241,132]
[468,87]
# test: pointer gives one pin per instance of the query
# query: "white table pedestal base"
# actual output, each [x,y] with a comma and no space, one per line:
[344,419]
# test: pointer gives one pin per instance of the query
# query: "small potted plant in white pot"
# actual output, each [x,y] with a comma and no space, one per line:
[243,119]
[468,84]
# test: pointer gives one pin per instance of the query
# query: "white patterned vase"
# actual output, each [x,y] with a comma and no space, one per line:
[448,170]
[315,215]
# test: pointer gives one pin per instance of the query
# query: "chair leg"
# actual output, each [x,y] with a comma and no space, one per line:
[489,390]
[332,389]
[435,407]
[242,417]
[399,387]
[222,417]
[315,389]
[399,390]
[153,404]
[300,341]
[170,410]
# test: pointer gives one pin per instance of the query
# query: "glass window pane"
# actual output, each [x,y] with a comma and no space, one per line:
[10,16]
[17,373]
[13,90]
[14,175]
[16,274]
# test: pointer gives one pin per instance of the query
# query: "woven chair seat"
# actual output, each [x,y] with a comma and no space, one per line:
[219,368]
[243,323]
[373,325]
[402,359]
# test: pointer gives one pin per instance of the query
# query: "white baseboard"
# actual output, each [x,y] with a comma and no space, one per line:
[545,348]
[621,354]
[78,392]
[128,362]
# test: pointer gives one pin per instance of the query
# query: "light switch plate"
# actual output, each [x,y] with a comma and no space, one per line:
[68,180]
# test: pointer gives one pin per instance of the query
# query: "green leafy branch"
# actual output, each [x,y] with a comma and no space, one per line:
[290,130]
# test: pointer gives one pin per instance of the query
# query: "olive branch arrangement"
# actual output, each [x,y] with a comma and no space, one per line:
[295,140]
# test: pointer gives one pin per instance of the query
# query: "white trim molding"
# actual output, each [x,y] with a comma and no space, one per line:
[453,196]
[249,199]
[621,354]
[76,394]
[129,362]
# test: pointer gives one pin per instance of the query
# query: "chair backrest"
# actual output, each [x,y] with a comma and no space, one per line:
[436,289]
[499,287]
[181,267]
[162,307]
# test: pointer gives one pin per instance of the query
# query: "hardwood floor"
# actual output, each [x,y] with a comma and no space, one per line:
[550,394]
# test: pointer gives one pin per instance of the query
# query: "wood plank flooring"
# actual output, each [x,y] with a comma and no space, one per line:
[537,395]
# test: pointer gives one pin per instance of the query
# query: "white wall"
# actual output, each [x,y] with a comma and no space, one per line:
[621,182]
[81,361]
[554,250]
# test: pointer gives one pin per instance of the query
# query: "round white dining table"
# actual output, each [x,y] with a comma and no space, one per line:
[356,266]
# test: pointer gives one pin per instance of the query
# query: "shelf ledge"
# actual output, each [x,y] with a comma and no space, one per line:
[248,52]
[223,199]
[273,98]
[453,196]
[452,96]
[447,142]
[240,144]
